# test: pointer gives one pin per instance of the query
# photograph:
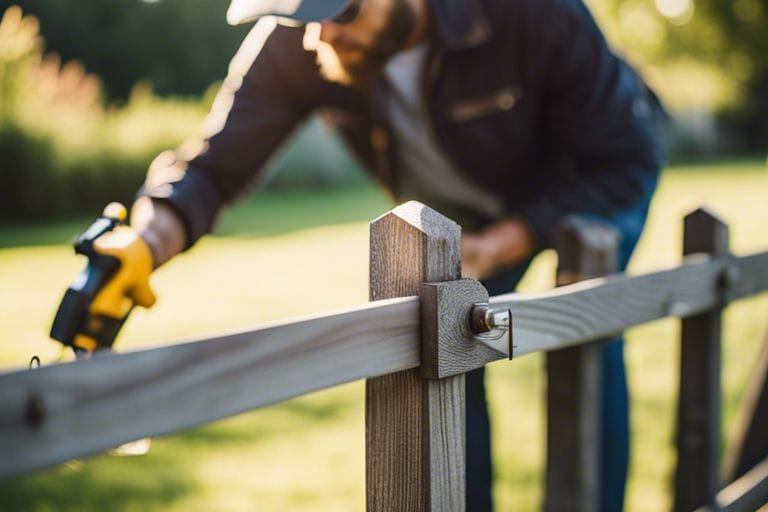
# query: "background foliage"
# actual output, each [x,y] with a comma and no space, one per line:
[94,90]
[703,56]
[61,149]
[91,93]
[180,46]
[64,150]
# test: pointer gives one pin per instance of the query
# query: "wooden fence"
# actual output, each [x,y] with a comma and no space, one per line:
[413,344]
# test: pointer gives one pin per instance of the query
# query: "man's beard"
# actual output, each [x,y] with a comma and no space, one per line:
[390,40]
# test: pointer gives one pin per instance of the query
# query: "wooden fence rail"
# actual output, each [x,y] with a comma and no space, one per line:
[415,426]
[122,397]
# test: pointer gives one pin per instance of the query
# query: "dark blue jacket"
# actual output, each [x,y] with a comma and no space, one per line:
[524,96]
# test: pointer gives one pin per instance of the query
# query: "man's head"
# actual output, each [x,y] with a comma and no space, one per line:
[353,38]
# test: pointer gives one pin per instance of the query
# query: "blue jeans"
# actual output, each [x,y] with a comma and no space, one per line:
[615,401]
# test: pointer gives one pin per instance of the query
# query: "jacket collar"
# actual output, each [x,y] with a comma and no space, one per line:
[459,24]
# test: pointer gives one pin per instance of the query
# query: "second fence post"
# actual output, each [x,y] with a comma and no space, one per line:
[697,478]
[415,437]
[585,250]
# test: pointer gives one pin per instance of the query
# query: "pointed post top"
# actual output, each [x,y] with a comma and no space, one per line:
[704,231]
[424,219]
[586,248]
[410,245]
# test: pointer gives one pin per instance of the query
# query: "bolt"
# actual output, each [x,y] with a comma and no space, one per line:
[35,413]
[479,318]
[484,318]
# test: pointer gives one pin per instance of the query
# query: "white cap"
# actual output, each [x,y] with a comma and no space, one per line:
[302,11]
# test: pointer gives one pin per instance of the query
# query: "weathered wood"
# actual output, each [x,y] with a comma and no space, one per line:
[59,412]
[446,336]
[698,411]
[750,440]
[585,250]
[415,438]
[603,307]
[746,275]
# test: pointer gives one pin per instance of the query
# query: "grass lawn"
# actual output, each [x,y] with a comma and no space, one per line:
[280,256]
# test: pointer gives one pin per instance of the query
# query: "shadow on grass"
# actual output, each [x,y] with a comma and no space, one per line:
[275,213]
[316,410]
[719,163]
[293,416]
[269,213]
[261,214]
[101,483]
[58,232]
[167,474]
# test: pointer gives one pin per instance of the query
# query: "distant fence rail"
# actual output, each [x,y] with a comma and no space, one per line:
[415,425]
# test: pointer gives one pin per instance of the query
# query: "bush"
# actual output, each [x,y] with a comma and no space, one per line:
[62,151]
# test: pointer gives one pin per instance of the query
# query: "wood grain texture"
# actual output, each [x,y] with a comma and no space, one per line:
[697,476]
[59,412]
[414,427]
[411,245]
[445,433]
[574,374]
[448,347]
[750,441]
[603,307]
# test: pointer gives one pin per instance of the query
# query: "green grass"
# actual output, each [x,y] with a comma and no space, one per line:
[276,257]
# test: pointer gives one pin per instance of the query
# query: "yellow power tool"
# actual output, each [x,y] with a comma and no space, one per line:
[96,305]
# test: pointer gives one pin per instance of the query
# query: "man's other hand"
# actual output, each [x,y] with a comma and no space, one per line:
[503,244]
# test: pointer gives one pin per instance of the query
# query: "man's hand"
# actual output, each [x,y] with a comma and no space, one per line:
[116,278]
[155,235]
[503,244]
[130,283]
[160,227]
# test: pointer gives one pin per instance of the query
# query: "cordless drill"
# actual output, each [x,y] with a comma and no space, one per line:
[96,305]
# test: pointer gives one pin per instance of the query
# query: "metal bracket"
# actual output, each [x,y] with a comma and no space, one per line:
[448,343]
[728,279]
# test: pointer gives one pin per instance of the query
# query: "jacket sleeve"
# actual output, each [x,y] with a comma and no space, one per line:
[599,114]
[259,104]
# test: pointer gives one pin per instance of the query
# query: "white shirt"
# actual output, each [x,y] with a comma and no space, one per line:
[427,174]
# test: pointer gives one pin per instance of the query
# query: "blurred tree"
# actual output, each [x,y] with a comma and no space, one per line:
[61,149]
[180,46]
[700,54]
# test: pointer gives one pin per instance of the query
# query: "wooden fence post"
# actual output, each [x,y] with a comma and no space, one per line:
[585,250]
[698,412]
[415,438]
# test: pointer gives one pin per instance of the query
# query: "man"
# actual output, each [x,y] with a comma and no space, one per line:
[505,115]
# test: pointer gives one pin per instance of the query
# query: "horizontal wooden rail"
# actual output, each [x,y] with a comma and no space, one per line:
[600,308]
[749,492]
[52,414]
[55,413]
